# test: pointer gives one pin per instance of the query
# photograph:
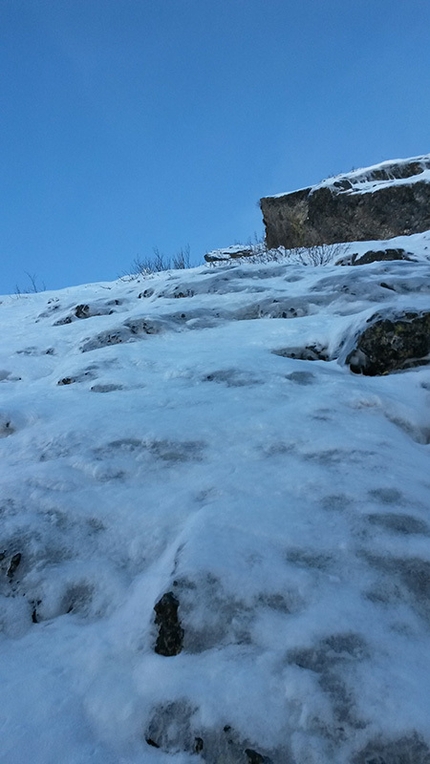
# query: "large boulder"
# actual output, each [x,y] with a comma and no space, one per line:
[380,202]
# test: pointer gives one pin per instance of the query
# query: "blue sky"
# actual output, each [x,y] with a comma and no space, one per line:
[132,124]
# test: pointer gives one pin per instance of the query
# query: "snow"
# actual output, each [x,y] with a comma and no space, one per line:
[162,444]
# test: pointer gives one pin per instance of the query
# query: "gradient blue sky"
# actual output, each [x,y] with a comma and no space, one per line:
[132,124]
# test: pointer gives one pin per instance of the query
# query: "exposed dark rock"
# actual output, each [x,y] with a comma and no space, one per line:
[88,311]
[152,742]
[406,750]
[301,377]
[224,255]
[373,256]
[376,255]
[170,634]
[82,311]
[392,344]
[308,353]
[13,565]
[172,728]
[399,523]
[34,615]
[360,206]
[256,758]
[107,387]
[62,321]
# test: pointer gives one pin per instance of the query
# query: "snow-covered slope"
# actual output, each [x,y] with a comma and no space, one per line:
[158,447]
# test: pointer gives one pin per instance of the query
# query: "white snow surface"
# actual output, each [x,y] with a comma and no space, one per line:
[158,444]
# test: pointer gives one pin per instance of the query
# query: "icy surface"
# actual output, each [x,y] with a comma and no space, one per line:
[154,438]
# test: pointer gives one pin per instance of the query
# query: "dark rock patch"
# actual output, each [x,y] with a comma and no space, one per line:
[307,558]
[330,651]
[6,426]
[301,377]
[327,661]
[106,387]
[399,523]
[198,745]
[82,311]
[9,564]
[76,599]
[128,332]
[412,573]
[176,451]
[105,339]
[170,632]
[389,345]
[63,321]
[80,376]
[309,353]
[256,758]
[143,326]
[224,255]
[231,378]
[373,256]
[13,565]
[211,616]
[386,495]
[172,728]
[410,749]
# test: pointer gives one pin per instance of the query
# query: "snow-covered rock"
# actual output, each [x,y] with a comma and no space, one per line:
[379,202]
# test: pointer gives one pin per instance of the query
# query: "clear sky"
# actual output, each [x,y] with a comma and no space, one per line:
[132,124]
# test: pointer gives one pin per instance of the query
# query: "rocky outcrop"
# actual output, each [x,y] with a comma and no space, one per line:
[381,202]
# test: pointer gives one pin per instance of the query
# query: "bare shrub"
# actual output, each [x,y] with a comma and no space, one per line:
[182,258]
[320,254]
[32,287]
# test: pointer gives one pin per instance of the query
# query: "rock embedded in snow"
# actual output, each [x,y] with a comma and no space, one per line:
[378,255]
[392,344]
[170,632]
[228,253]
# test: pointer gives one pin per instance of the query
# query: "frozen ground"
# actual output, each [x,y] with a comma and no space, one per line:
[155,439]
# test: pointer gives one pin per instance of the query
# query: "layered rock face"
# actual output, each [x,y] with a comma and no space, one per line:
[380,202]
